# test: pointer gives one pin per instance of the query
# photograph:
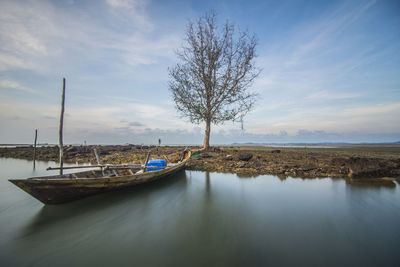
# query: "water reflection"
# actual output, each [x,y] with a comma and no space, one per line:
[208,185]
[371,183]
[51,215]
[200,219]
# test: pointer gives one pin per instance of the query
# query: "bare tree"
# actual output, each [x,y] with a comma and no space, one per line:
[211,83]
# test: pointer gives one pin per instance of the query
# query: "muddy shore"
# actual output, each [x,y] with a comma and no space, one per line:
[358,164]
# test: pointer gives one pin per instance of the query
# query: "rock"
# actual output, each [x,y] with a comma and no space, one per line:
[276,151]
[205,155]
[308,168]
[285,167]
[242,164]
[245,156]
[338,161]
[369,168]
[344,170]
[257,164]
[228,157]
[216,149]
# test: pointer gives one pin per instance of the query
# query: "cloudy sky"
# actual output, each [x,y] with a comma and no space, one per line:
[331,70]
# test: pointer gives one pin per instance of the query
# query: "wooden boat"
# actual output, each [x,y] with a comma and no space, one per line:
[58,189]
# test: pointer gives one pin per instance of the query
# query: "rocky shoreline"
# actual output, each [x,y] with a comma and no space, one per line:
[358,164]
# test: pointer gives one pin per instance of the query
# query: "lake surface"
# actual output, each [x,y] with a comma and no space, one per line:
[202,219]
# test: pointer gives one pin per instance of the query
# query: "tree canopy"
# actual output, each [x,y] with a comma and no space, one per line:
[211,82]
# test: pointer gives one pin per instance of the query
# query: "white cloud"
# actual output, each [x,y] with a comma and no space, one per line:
[19,29]
[302,61]
[132,11]
[39,35]
[139,49]
[104,124]
[129,4]
[372,118]
[8,62]
[9,84]
[327,95]
[25,31]
[392,109]
[94,118]
[308,83]
[126,123]
[320,34]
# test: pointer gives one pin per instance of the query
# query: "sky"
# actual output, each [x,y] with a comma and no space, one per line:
[330,71]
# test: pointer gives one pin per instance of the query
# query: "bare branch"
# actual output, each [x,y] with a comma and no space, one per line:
[211,84]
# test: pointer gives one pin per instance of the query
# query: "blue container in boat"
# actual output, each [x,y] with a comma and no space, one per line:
[162,163]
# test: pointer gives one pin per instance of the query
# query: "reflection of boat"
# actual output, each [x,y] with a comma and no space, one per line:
[58,189]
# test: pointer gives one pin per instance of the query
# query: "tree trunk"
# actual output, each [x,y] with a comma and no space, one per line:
[207,135]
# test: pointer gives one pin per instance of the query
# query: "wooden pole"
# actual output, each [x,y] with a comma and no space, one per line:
[60,132]
[108,167]
[97,156]
[98,160]
[34,150]
[146,161]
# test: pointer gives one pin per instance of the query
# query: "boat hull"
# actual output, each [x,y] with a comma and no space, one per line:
[58,190]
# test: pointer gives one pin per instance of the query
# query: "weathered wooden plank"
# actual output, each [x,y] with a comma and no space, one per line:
[97,156]
[146,161]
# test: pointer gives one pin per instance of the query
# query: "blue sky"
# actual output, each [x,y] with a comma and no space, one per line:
[331,70]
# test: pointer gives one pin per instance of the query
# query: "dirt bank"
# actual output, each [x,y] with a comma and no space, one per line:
[356,163]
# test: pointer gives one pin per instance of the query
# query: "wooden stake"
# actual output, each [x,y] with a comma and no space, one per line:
[60,133]
[146,161]
[98,160]
[97,156]
[34,150]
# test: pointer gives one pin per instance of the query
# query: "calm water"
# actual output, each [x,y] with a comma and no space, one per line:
[202,219]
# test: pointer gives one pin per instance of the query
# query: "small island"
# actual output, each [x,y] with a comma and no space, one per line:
[359,164]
